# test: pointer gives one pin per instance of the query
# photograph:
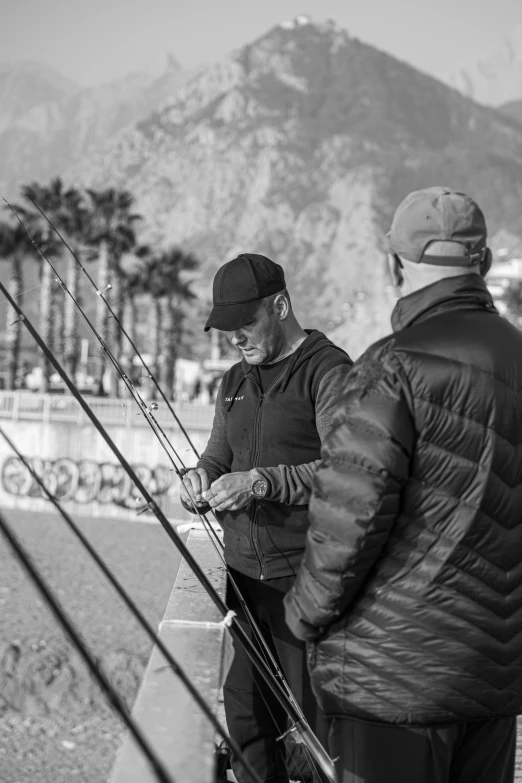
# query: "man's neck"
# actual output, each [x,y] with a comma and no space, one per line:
[293,338]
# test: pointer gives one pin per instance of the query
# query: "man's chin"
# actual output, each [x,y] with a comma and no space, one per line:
[253,358]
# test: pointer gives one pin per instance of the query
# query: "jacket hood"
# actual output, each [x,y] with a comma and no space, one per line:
[315,341]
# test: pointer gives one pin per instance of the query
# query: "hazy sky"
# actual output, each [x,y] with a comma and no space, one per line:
[96,40]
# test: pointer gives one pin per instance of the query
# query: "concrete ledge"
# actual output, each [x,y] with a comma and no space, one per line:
[192,630]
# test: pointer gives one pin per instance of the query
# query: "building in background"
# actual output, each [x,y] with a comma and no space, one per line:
[505,276]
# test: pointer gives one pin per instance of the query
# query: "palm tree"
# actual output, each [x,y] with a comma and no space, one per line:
[58,309]
[112,234]
[15,245]
[55,201]
[75,224]
[134,270]
[168,284]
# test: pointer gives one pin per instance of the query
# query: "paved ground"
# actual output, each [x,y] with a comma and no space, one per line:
[54,725]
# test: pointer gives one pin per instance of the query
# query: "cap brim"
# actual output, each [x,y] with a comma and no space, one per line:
[229,317]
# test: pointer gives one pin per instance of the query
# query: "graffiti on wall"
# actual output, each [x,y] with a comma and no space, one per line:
[84,481]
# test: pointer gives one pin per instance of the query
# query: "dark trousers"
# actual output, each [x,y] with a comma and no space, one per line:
[254,717]
[481,752]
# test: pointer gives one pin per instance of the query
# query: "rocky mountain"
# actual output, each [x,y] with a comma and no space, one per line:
[495,78]
[300,145]
[47,123]
[513,109]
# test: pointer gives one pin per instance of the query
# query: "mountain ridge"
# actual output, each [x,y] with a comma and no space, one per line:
[48,122]
[300,145]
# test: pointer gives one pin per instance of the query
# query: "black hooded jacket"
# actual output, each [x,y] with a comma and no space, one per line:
[266,539]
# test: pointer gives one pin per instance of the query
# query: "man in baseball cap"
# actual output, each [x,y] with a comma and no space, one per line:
[273,409]
[239,289]
[410,590]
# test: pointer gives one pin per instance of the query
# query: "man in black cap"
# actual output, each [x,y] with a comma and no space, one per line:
[411,585]
[273,410]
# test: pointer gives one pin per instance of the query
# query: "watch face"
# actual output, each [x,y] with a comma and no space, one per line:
[260,487]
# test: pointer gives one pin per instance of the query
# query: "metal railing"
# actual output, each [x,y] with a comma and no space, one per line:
[122,412]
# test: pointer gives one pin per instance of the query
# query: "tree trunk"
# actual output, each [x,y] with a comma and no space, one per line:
[128,320]
[58,322]
[70,320]
[13,331]
[46,321]
[170,334]
[155,342]
[115,336]
[102,317]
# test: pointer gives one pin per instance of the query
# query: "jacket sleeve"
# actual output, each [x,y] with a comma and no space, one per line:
[217,457]
[292,484]
[356,495]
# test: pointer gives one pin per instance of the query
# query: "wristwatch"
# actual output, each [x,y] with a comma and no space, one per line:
[259,485]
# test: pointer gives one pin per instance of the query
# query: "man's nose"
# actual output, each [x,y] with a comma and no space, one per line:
[236,337]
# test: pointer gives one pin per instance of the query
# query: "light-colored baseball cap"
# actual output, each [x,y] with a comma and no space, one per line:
[438,215]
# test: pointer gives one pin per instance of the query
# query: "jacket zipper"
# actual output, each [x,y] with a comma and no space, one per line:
[254,526]
[257,429]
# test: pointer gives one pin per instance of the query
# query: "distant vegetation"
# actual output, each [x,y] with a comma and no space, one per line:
[100,226]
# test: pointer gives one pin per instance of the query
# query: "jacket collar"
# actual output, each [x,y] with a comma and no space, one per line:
[466,292]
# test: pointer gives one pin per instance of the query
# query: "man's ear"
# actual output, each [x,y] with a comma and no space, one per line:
[394,263]
[485,264]
[281,306]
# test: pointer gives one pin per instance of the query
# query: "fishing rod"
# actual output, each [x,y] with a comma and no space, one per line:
[133,608]
[113,697]
[158,431]
[270,660]
[300,725]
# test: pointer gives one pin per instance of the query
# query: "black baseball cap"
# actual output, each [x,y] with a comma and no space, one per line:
[438,214]
[239,287]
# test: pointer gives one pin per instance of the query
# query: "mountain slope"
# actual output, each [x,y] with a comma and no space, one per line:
[47,123]
[513,109]
[26,86]
[300,145]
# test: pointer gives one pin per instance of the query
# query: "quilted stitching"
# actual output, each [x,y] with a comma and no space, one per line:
[435,634]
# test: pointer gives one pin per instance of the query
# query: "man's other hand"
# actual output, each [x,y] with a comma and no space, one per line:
[230,492]
[195,483]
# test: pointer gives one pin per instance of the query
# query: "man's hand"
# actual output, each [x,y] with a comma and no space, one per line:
[230,492]
[300,628]
[195,483]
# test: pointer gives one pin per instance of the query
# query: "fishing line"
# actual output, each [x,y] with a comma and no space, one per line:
[18,296]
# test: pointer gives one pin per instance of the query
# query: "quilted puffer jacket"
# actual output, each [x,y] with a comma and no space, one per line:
[411,584]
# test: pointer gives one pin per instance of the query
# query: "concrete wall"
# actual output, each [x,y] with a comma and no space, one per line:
[193,632]
[78,466]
